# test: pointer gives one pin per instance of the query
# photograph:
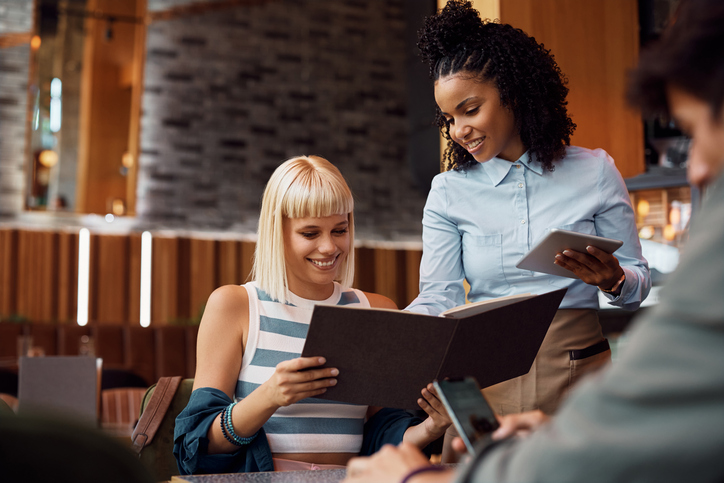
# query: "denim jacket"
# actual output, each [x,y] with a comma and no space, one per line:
[191,444]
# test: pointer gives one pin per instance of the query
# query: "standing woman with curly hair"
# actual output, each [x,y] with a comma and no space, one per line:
[512,177]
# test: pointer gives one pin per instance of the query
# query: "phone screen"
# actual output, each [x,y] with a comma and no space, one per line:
[470,412]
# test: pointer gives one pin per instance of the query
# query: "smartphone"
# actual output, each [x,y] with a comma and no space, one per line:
[470,412]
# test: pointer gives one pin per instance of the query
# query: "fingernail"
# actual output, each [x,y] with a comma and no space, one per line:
[335,372]
[322,360]
[332,382]
[567,252]
[559,256]
[589,249]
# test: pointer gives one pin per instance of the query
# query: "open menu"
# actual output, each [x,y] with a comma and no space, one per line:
[484,305]
[385,357]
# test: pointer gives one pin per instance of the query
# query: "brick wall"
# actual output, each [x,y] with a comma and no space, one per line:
[232,93]
[15,17]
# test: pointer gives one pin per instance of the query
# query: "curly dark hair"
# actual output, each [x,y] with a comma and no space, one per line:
[525,73]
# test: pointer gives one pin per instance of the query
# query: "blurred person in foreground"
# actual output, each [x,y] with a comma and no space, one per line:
[657,414]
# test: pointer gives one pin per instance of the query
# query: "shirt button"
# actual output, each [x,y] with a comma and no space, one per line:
[522,222]
[517,166]
[520,185]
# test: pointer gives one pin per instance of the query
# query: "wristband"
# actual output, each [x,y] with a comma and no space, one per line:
[422,469]
[227,428]
[616,286]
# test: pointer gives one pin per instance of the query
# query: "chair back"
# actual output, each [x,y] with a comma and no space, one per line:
[120,407]
[65,385]
[157,455]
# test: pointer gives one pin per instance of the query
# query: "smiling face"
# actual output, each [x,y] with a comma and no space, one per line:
[695,117]
[478,121]
[314,249]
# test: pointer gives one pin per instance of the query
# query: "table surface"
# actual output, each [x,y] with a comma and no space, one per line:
[313,476]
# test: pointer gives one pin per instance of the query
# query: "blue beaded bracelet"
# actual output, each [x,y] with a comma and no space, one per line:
[227,427]
[223,428]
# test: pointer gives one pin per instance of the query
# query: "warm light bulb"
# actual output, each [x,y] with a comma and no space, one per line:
[127,160]
[48,158]
[675,216]
[35,42]
[669,232]
[118,207]
[643,208]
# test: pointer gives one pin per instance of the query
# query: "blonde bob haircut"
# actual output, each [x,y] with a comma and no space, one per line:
[303,186]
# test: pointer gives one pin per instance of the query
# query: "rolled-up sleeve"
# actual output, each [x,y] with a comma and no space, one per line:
[616,219]
[191,442]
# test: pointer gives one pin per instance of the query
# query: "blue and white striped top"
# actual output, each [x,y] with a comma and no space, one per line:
[277,333]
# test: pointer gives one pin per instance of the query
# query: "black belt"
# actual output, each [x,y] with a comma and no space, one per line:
[596,348]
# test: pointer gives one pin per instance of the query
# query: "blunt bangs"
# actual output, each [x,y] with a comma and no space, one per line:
[316,194]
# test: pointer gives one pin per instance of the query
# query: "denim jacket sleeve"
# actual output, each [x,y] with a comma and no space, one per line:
[191,442]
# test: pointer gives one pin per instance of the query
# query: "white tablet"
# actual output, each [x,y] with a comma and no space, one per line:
[542,257]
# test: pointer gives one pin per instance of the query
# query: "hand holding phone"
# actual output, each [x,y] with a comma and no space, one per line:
[470,412]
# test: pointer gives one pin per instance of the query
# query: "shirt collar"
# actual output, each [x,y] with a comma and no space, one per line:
[497,169]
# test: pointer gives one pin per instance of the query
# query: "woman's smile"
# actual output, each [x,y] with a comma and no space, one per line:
[324,263]
[315,248]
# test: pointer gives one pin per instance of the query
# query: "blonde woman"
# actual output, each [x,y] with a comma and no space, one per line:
[253,405]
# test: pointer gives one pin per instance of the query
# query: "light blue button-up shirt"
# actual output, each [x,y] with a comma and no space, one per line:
[478,223]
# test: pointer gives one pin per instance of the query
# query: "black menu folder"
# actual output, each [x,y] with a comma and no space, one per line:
[385,357]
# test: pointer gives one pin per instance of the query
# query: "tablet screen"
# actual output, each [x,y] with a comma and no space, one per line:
[542,257]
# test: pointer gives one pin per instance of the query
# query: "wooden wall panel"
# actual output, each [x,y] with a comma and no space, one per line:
[184,273]
[364,270]
[109,278]
[246,262]
[595,43]
[8,271]
[139,354]
[228,266]
[170,348]
[412,275]
[164,280]
[67,277]
[109,342]
[386,273]
[191,338]
[203,279]
[134,279]
[37,275]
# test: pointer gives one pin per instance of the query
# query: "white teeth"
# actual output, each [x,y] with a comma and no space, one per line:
[322,264]
[475,143]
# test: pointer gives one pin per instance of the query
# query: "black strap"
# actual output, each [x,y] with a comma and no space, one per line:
[590,351]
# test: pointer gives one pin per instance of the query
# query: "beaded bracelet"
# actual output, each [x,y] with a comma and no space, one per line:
[223,428]
[422,469]
[227,428]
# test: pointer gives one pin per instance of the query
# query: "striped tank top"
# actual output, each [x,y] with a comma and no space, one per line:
[277,333]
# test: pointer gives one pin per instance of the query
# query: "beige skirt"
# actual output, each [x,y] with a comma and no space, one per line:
[573,346]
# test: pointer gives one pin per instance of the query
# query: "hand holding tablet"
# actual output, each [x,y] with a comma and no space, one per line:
[542,257]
